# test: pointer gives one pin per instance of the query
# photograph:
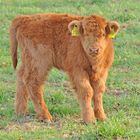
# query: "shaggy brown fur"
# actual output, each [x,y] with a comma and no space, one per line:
[45,41]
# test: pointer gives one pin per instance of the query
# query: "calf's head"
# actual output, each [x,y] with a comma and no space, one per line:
[94,32]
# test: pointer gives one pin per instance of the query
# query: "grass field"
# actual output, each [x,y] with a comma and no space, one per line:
[121,100]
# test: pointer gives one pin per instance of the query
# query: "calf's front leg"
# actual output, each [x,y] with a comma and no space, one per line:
[99,88]
[84,92]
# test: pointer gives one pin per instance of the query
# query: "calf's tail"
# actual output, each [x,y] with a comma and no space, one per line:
[13,40]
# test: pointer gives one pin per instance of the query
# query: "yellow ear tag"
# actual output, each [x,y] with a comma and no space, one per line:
[75,31]
[112,34]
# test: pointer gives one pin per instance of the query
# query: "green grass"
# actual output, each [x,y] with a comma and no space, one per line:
[121,100]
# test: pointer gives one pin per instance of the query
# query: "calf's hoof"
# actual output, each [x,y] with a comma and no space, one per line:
[22,112]
[89,118]
[45,116]
[101,116]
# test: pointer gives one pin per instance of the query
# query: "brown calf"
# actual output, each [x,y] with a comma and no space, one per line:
[79,45]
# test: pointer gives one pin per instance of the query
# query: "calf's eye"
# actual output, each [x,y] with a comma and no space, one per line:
[103,34]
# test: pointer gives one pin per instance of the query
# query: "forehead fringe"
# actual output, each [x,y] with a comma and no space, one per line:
[94,23]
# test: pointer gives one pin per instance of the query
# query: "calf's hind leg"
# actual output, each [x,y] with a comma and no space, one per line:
[21,101]
[35,88]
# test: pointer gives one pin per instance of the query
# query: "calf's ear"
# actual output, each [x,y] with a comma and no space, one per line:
[75,27]
[112,29]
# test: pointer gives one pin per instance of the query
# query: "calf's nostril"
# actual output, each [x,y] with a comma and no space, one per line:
[97,50]
[94,50]
[90,50]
